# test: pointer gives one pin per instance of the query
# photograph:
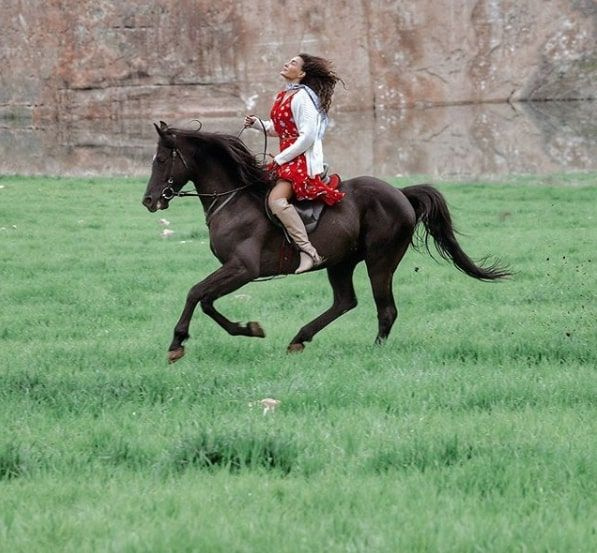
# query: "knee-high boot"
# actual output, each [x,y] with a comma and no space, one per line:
[296,228]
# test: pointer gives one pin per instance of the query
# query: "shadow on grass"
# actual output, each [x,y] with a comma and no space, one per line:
[12,462]
[421,456]
[234,451]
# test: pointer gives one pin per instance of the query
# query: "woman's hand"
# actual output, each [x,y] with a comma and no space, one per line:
[272,166]
[250,120]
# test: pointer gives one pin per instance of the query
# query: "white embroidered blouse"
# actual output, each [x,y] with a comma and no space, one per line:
[310,125]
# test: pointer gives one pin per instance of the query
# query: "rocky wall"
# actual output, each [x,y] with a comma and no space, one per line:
[76,59]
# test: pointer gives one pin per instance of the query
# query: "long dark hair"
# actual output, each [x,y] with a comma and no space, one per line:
[320,77]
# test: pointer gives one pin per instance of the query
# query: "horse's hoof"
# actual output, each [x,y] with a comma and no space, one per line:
[255,329]
[295,348]
[175,355]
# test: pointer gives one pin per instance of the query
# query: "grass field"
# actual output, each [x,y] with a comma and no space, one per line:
[472,429]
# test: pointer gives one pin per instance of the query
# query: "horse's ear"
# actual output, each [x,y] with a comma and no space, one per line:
[161,129]
[166,136]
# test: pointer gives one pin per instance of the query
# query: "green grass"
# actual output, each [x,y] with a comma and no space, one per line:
[472,429]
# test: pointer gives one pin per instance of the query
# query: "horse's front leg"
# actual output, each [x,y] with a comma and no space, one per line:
[231,276]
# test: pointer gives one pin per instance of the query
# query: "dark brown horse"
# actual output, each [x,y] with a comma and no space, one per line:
[374,223]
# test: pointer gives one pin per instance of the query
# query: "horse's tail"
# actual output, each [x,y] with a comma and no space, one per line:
[432,210]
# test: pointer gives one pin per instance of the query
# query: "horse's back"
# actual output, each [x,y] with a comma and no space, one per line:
[377,198]
[373,214]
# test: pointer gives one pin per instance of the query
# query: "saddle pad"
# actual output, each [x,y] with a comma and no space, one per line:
[309,211]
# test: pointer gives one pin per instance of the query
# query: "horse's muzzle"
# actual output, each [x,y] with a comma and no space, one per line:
[153,205]
[150,204]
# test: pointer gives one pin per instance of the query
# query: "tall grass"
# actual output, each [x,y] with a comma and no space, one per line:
[472,429]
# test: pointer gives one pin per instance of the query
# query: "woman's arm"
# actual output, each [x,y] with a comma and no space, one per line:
[306,118]
[253,122]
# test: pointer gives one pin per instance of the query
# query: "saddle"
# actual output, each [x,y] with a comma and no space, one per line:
[309,211]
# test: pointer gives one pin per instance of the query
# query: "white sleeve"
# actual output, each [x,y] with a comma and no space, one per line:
[269,127]
[306,118]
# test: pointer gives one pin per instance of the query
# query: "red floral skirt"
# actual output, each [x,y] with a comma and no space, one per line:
[304,186]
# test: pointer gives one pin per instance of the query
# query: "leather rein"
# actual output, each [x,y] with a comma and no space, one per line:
[168,192]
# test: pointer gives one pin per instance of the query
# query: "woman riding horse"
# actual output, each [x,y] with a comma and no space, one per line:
[375,223]
[299,118]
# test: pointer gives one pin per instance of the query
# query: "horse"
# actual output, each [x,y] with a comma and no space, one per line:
[375,222]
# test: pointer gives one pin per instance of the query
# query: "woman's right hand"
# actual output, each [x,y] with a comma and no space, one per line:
[250,120]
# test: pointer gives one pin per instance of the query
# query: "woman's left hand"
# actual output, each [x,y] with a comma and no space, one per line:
[250,120]
[272,166]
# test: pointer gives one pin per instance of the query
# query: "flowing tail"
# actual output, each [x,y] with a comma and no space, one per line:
[432,210]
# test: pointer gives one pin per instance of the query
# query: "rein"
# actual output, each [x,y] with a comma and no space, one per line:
[264,154]
[168,192]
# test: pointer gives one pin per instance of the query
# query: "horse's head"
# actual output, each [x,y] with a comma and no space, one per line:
[169,171]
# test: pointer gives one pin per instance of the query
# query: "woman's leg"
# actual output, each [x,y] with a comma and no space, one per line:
[281,190]
[286,213]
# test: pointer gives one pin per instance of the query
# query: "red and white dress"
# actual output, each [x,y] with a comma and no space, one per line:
[295,171]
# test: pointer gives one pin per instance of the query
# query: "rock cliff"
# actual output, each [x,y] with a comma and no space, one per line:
[75,59]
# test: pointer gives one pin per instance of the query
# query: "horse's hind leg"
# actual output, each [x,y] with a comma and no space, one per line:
[340,277]
[381,272]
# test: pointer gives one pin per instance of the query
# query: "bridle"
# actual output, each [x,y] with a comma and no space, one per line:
[168,192]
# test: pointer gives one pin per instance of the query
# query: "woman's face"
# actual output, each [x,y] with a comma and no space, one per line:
[293,70]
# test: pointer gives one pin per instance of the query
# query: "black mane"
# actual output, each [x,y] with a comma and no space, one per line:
[245,168]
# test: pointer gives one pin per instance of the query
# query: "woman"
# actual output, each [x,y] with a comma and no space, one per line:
[299,118]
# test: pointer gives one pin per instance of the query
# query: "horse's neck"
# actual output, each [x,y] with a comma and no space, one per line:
[215,186]
[212,180]
[218,195]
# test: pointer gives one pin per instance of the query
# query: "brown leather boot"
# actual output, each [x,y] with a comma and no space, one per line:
[296,228]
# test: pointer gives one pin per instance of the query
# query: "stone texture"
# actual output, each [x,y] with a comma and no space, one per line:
[75,59]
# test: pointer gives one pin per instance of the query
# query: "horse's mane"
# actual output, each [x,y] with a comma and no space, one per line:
[245,168]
